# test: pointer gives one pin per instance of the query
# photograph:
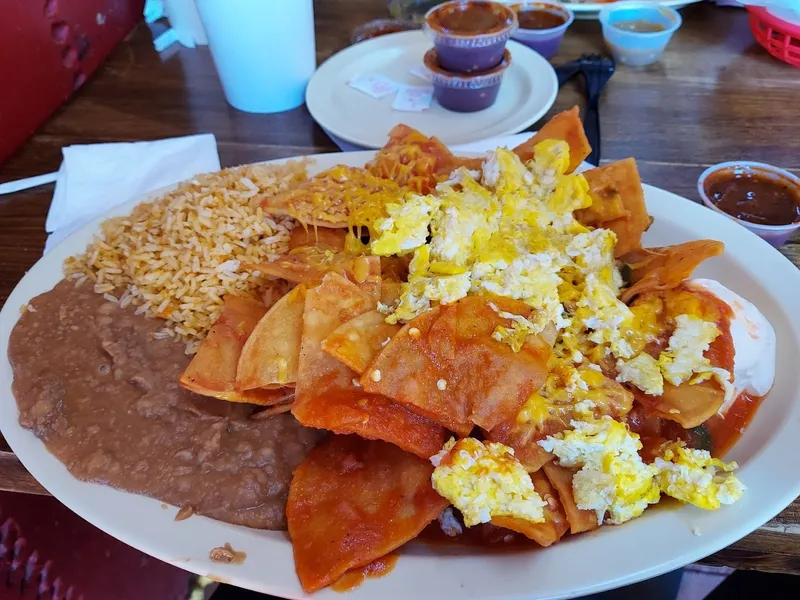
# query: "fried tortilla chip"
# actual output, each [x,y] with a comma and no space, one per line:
[277,409]
[524,438]
[328,395]
[561,479]
[359,340]
[617,204]
[334,197]
[688,404]
[391,292]
[321,237]
[446,365]
[270,355]
[415,161]
[555,523]
[352,501]
[564,126]
[654,269]
[212,371]
[308,264]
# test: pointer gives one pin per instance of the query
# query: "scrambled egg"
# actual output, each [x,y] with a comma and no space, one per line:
[423,288]
[612,479]
[600,310]
[513,234]
[406,227]
[484,480]
[644,372]
[614,482]
[695,477]
[684,355]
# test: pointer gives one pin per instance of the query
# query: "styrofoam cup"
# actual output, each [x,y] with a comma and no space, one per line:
[264,51]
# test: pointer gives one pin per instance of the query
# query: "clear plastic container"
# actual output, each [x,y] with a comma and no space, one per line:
[544,41]
[776,235]
[638,48]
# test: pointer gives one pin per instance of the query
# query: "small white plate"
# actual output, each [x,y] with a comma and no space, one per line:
[661,540]
[589,11]
[527,92]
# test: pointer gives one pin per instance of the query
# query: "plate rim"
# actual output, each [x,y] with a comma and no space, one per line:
[593,8]
[406,38]
[410,565]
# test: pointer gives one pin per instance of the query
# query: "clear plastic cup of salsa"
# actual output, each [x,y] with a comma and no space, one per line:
[758,196]
[638,32]
[470,36]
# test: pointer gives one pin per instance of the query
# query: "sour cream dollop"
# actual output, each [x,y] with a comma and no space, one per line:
[755,349]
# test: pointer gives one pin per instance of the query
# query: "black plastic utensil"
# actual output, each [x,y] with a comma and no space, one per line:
[596,70]
[567,71]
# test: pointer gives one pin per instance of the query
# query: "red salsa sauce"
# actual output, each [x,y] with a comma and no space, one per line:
[537,18]
[471,18]
[717,434]
[378,568]
[754,195]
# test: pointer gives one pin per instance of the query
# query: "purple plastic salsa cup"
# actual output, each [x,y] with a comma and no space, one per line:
[465,92]
[542,25]
[470,36]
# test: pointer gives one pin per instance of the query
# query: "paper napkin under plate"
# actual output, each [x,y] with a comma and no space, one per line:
[94,178]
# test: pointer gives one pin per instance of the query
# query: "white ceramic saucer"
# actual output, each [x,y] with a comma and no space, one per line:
[528,91]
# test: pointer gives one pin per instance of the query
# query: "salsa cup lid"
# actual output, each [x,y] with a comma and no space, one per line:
[507,24]
[552,7]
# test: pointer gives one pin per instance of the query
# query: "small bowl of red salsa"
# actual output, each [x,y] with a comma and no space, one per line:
[470,36]
[762,198]
[542,25]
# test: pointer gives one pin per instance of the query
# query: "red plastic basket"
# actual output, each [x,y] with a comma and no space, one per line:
[780,38]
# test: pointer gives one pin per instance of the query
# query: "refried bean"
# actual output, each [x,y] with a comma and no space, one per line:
[102,393]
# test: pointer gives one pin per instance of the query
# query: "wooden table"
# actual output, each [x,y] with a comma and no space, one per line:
[715,96]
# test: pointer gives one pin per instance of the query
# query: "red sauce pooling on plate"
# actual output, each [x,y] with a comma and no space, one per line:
[539,19]
[471,18]
[725,431]
[355,577]
[754,196]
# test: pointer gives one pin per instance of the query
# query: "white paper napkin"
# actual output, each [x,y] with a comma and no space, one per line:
[94,178]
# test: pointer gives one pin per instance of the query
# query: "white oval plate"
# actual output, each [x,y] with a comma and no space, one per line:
[527,92]
[660,541]
[590,10]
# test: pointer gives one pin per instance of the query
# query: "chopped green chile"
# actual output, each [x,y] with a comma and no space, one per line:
[700,437]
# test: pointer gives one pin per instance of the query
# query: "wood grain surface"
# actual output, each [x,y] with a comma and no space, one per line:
[715,96]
